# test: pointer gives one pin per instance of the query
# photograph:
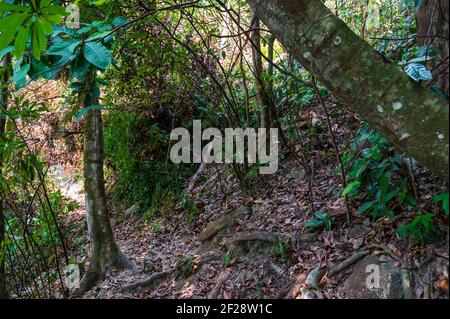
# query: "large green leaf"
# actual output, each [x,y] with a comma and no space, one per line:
[13,21]
[5,7]
[19,77]
[5,51]
[79,69]
[63,48]
[8,28]
[55,10]
[97,54]
[21,40]
[418,72]
[63,29]
[351,187]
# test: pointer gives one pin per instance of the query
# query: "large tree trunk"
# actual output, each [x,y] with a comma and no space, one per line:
[104,250]
[3,108]
[411,117]
[432,29]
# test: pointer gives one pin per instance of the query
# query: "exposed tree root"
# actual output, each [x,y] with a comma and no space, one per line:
[348,262]
[149,282]
[96,273]
[268,236]
[215,292]
[156,278]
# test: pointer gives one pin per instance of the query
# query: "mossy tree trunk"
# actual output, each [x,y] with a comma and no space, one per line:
[4,77]
[104,250]
[410,116]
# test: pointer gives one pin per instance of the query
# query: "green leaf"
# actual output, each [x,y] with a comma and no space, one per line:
[364,207]
[21,40]
[97,54]
[351,187]
[444,199]
[35,46]
[19,77]
[55,10]
[5,7]
[86,109]
[63,48]
[418,72]
[314,223]
[5,51]
[47,27]
[424,58]
[54,19]
[8,28]
[13,21]
[98,36]
[42,38]
[118,21]
[80,68]
[57,29]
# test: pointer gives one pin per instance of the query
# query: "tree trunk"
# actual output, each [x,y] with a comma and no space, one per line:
[270,72]
[104,250]
[432,29]
[410,116]
[3,108]
[258,70]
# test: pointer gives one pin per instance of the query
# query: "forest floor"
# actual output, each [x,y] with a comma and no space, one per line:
[256,246]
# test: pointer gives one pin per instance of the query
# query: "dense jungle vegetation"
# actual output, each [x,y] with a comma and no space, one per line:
[93,206]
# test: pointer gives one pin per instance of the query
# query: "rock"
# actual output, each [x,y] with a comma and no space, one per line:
[372,279]
[223,222]
[314,277]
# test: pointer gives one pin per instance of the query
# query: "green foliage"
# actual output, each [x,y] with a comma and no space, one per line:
[320,220]
[185,267]
[421,228]
[416,67]
[442,198]
[34,22]
[136,153]
[372,168]
[190,207]
[227,259]
[97,54]
[281,250]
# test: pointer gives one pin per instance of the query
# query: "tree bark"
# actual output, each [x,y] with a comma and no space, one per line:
[410,116]
[432,29]
[104,250]
[4,77]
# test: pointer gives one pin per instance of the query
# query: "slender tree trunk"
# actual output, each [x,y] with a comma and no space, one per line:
[270,89]
[104,250]
[3,108]
[410,116]
[432,29]
[258,70]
